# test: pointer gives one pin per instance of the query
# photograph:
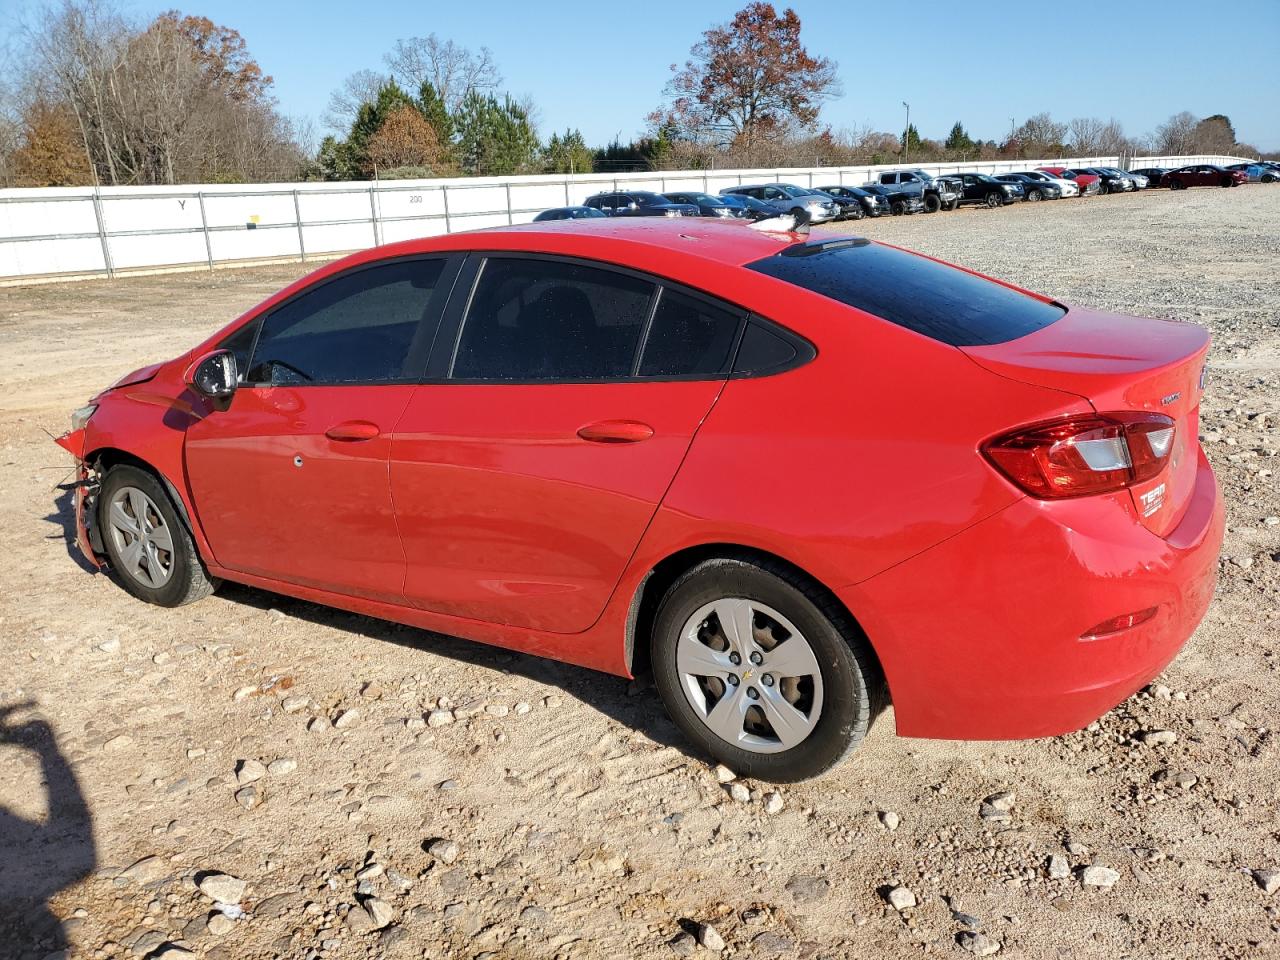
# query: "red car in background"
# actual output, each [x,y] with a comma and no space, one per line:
[1204,175]
[796,477]
[1089,183]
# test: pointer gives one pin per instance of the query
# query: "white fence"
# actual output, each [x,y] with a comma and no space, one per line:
[73,232]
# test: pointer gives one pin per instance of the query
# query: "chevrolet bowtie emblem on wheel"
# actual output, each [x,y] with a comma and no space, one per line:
[746,677]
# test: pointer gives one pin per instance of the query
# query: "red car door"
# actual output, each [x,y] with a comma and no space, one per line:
[290,481]
[526,471]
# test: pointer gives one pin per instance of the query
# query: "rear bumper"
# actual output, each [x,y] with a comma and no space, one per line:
[980,636]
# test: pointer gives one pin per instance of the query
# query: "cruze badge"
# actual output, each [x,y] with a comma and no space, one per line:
[1165,401]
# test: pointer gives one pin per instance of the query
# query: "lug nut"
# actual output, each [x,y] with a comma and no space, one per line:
[735,659]
[767,679]
[756,658]
[753,693]
[733,679]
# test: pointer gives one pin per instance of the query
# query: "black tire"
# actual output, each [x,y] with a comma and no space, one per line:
[851,678]
[1034,196]
[1103,187]
[953,205]
[897,207]
[1176,185]
[856,212]
[932,203]
[994,199]
[188,580]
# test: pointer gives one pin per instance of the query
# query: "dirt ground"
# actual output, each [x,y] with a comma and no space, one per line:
[580,825]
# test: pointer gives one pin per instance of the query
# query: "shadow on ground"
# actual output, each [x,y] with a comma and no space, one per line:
[40,856]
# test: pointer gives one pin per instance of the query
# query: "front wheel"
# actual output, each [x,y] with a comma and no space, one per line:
[856,212]
[1176,185]
[1034,196]
[932,203]
[762,670]
[993,199]
[148,546]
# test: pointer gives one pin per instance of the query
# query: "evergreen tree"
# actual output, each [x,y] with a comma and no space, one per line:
[568,154]
[959,140]
[911,139]
[494,138]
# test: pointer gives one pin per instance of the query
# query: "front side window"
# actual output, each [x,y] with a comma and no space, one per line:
[535,319]
[362,327]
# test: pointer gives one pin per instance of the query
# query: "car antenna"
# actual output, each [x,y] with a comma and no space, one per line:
[797,223]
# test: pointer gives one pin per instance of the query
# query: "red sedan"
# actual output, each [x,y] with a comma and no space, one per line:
[1204,175]
[798,477]
[1089,183]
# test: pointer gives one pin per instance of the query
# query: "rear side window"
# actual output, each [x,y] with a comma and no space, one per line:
[549,320]
[688,337]
[930,298]
[358,328]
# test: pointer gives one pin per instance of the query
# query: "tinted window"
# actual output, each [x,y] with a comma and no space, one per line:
[763,350]
[688,336]
[550,320]
[358,328]
[936,300]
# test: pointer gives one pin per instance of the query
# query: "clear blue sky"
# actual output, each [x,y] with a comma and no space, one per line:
[600,65]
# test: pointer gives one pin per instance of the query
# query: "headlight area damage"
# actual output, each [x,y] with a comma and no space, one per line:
[84,487]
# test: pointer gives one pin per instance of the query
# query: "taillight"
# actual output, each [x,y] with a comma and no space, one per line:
[1083,455]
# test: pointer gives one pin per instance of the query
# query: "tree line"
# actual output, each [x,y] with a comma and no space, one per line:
[101,98]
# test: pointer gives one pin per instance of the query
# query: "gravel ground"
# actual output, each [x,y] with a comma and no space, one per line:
[255,777]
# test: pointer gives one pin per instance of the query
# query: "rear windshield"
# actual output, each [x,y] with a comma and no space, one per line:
[930,298]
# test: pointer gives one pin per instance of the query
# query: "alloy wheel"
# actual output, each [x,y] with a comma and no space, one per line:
[749,675]
[141,537]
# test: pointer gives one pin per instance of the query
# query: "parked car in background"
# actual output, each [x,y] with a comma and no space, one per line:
[898,201]
[1109,181]
[568,213]
[1069,188]
[847,208]
[749,208]
[980,188]
[639,203]
[1139,181]
[938,193]
[871,204]
[1033,189]
[1204,175]
[1154,175]
[788,198]
[1255,172]
[522,436]
[708,206]
[1089,183]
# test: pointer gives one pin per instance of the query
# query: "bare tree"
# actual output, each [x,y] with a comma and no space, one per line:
[358,89]
[1040,136]
[1176,136]
[451,68]
[1086,136]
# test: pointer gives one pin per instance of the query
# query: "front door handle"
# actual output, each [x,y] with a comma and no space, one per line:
[353,430]
[616,431]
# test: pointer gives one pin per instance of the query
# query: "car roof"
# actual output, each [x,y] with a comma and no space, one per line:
[612,239]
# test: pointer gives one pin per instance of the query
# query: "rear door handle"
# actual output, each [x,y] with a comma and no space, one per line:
[353,430]
[616,431]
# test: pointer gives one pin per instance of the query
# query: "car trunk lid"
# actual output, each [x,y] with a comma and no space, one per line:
[1120,363]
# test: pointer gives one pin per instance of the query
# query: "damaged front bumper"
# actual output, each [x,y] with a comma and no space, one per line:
[85,491]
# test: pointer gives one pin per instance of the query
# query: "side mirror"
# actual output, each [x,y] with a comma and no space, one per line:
[214,375]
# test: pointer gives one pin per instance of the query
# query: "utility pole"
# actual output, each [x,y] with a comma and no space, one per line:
[906,135]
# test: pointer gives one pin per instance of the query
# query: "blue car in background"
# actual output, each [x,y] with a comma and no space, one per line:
[750,207]
[1257,172]
[708,206]
[567,213]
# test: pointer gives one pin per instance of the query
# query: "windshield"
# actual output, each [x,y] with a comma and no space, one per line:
[648,199]
[791,190]
[703,198]
[930,298]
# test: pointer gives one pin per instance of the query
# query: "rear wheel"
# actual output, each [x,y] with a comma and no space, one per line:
[1176,185]
[856,212]
[932,203]
[148,546]
[763,671]
[953,205]
[993,199]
